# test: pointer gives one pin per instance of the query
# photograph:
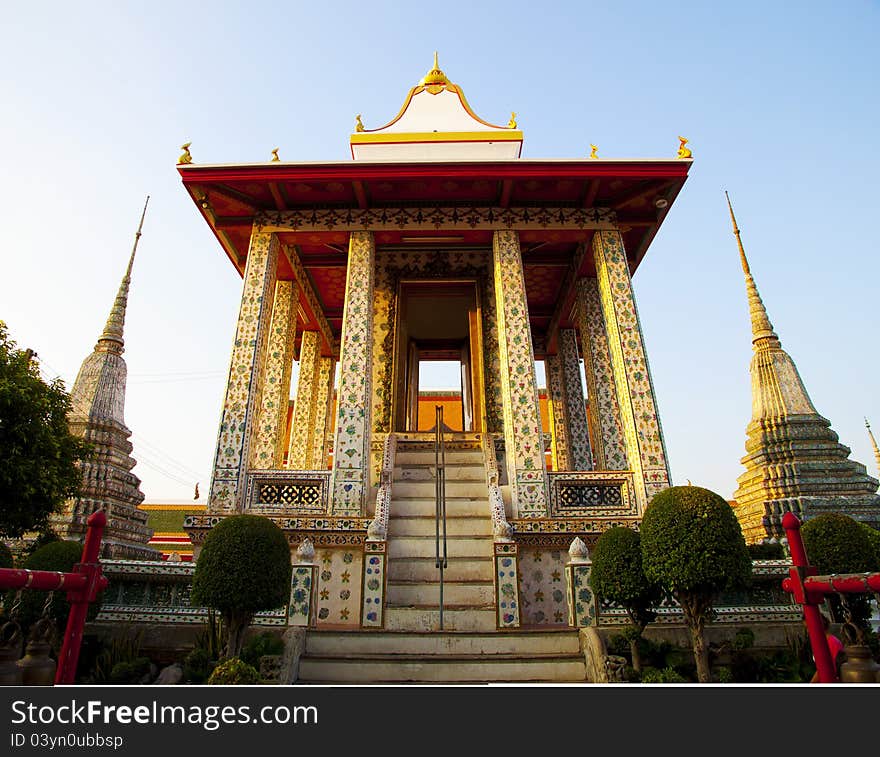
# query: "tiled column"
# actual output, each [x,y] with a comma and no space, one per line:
[609,451]
[244,386]
[268,451]
[642,434]
[556,411]
[351,454]
[323,402]
[302,425]
[524,443]
[575,402]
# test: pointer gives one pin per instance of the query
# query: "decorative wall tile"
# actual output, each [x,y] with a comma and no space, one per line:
[373,612]
[339,587]
[556,411]
[583,611]
[351,456]
[609,451]
[243,388]
[522,421]
[507,604]
[268,450]
[302,585]
[575,402]
[302,426]
[542,588]
[638,407]
[323,417]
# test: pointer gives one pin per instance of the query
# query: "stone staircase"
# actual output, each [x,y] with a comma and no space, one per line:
[412,648]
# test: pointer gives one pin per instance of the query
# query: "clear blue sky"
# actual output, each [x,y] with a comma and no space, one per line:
[779,101]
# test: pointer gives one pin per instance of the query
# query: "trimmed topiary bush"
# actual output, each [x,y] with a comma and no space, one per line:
[243,568]
[234,672]
[617,576]
[693,546]
[874,537]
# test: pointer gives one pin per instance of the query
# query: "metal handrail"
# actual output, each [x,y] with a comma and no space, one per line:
[440,495]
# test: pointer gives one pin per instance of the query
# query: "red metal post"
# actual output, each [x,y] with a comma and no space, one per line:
[79,599]
[810,600]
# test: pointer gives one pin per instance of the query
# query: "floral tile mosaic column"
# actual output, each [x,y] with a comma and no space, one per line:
[524,441]
[609,450]
[302,425]
[575,402]
[323,419]
[642,434]
[244,386]
[268,451]
[556,411]
[351,455]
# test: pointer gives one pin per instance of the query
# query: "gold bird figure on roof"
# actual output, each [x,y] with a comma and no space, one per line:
[275,157]
[683,151]
[594,151]
[185,156]
[358,124]
[511,124]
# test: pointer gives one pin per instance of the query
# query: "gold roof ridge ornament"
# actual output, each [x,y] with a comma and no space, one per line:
[594,152]
[275,158]
[511,124]
[358,124]
[435,79]
[763,335]
[185,157]
[684,152]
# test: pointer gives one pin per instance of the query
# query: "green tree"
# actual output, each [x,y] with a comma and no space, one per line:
[618,576]
[243,568]
[874,537]
[38,464]
[693,546]
[836,543]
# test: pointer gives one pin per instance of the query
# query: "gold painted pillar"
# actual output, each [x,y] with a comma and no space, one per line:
[244,385]
[556,412]
[351,454]
[606,429]
[524,442]
[323,419]
[268,451]
[575,403]
[642,433]
[302,425]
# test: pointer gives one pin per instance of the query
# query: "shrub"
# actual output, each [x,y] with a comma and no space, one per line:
[666,675]
[5,556]
[198,665]
[766,551]
[244,567]
[123,647]
[874,537]
[723,675]
[693,546]
[234,672]
[130,671]
[267,643]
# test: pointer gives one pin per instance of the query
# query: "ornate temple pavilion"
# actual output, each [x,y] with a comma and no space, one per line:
[437,242]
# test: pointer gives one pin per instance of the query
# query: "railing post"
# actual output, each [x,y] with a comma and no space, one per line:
[80,600]
[800,569]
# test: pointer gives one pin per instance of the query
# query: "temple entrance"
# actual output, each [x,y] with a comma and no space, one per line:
[438,323]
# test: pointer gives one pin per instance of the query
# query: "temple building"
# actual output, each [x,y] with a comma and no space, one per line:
[438,241]
[794,460]
[97,415]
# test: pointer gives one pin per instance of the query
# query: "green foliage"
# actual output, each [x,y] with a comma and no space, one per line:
[130,671]
[836,543]
[692,542]
[267,643]
[723,675]
[617,574]
[46,537]
[766,551]
[198,665]
[6,560]
[38,467]
[124,647]
[666,675]
[234,672]
[874,537]
[744,639]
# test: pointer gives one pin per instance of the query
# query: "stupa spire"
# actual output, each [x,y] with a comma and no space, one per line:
[113,329]
[763,335]
[873,443]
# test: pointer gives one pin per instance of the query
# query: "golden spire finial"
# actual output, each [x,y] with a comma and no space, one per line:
[594,151]
[435,78]
[873,443]
[275,158]
[511,124]
[185,156]
[762,329]
[358,124]
[684,152]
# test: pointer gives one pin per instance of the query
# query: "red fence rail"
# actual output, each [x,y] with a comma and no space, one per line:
[810,590]
[82,585]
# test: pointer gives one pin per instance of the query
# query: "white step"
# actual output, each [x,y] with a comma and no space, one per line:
[497,668]
[424,569]
[460,472]
[425,489]
[417,525]
[426,507]
[427,618]
[405,594]
[323,643]
[425,546]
